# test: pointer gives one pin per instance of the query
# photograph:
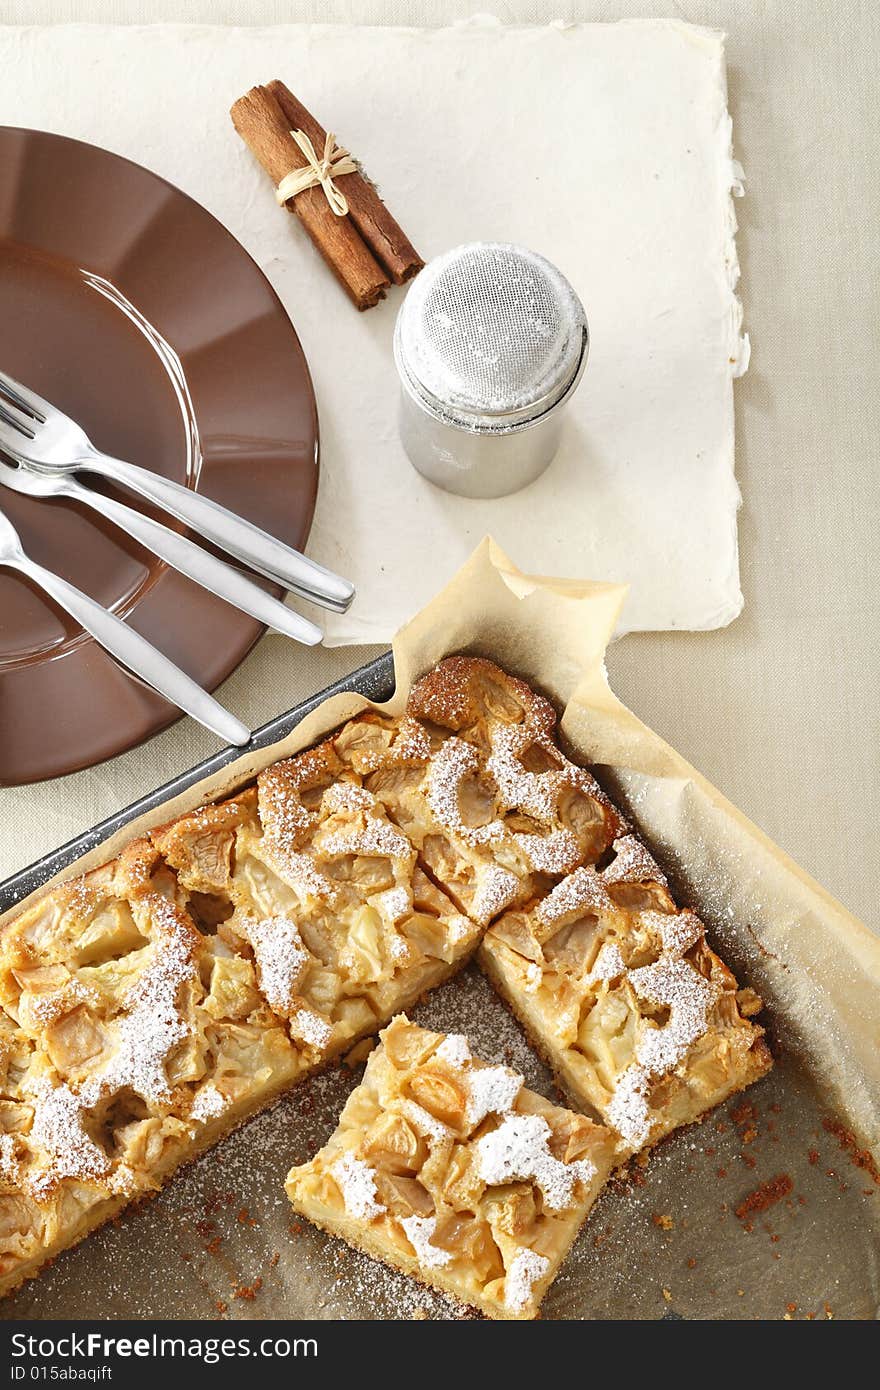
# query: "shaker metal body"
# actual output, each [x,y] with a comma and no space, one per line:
[490,344]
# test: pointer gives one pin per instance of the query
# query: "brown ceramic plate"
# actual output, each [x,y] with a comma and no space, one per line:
[243,431]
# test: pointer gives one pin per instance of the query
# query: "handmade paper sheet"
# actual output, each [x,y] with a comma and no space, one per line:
[606,147]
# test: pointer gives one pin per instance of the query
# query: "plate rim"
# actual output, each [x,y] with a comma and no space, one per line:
[73,765]
[374,680]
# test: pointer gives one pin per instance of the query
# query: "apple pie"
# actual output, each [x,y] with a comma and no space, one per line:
[128,1041]
[449,1169]
[639,1019]
[149,1006]
[473,776]
[325,892]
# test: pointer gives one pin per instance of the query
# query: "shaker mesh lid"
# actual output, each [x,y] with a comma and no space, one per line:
[490,335]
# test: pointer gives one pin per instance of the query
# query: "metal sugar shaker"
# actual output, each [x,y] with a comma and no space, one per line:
[490,344]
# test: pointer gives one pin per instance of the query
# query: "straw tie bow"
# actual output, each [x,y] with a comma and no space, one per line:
[318,172]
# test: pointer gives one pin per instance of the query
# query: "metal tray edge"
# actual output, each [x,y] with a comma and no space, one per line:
[375,681]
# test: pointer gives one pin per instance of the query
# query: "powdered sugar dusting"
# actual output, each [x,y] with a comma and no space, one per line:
[628,1109]
[678,931]
[497,889]
[58,1128]
[394,903]
[377,838]
[683,990]
[419,1230]
[309,1027]
[280,956]
[346,796]
[39,1008]
[9,1157]
[526,1268]
[454,761]
[535,793]
[412,744]
[297,869]
[399,948]
[151,1023]
[674,983]
[632,864]
[423,1121]
[357,1183]
[208,1103]
[609,963]
[533,977]
[582,891]
[458,927]
[454,1050]
[281,810]
[491,1091]
[519,1149]
[557,853]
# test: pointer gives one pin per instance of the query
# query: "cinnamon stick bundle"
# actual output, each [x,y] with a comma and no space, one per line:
[365,249]
[392,249]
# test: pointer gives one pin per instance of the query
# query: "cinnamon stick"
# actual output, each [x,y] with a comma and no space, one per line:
[265,129]
[388,243]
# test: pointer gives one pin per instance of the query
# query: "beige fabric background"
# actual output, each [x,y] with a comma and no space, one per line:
[780,710]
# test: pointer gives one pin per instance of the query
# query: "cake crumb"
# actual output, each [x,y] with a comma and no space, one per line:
[764,1196]
[248,1292]
[859,1157]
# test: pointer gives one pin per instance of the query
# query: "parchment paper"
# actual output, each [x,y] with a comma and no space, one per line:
[607,147]
[667,1243]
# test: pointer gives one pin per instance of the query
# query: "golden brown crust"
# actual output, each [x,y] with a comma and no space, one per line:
[460,692]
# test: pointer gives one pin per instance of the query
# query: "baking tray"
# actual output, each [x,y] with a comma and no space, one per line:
[375,681]
[664,1242]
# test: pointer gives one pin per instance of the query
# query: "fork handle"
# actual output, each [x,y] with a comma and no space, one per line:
[248,543]
[138,655]
[200,566]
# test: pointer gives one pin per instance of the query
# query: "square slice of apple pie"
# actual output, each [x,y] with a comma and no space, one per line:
[449,1169]
[473,776]
[325,894]
[129,1041]
[640,1020]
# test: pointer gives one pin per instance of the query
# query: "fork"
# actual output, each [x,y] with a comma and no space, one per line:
[182,554]
[33,429]
[134,652]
